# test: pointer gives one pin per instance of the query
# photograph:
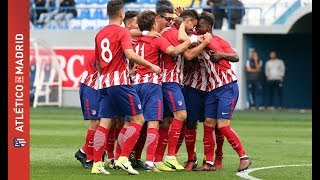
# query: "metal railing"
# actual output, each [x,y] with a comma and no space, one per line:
[246,19]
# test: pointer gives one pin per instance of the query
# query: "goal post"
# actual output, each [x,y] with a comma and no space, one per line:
[45,75]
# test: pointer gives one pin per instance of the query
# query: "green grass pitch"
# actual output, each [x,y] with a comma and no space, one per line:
[269,138]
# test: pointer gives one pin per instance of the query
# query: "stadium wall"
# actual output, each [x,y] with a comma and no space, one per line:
[293,41]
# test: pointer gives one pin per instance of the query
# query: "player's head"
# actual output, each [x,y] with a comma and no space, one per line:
[206,22]
[146,20]
[273,54]
[164,17]
[192,18]
[115,9]
[130,20]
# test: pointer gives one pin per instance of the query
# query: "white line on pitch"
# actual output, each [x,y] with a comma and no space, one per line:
[245,174]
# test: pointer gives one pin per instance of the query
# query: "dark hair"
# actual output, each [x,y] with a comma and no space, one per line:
[164,9]
[129,15]
[146,19]
[114,7]
[208,18]
[189,13]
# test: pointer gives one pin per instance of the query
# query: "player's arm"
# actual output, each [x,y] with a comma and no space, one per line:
[182,35]
[132,56]
[190,54]
[228,53]
[232,57]
[177,50]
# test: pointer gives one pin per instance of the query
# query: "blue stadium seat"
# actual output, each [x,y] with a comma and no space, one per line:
[52,26]
[84,14]
[103,1]
[76,28]
[89,28]
[80,1]
[143,1]
[39,26]
[92,1]
[98,14]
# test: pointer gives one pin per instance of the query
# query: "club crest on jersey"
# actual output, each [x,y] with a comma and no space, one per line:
[180,103]
[94,112]
[139,106]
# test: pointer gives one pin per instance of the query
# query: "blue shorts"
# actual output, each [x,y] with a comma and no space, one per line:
[118,101]
[195,101]
[89,99]
[173,99]
[150,95]
[221,102]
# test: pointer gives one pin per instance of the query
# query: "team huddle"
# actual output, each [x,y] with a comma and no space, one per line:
[149,84]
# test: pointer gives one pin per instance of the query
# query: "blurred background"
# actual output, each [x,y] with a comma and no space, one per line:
[63,32]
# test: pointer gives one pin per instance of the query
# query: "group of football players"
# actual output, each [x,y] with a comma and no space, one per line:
[152,78]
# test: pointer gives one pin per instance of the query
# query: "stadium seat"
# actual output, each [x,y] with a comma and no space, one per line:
[80,1]
[103,1]
[78,27]
[39,26]
[52,26]
[98,14]
[84,14]
[92,1]
[143,1]
[89,28]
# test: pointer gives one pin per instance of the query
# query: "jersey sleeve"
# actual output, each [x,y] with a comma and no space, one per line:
[163,44]
[172,36]
[126,40]
[226,47]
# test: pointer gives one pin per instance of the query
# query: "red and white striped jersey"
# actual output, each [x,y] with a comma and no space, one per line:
[110,43]
[204,75]
[90,75]
[196,75]
[172,67]
[220,72]
[150,49]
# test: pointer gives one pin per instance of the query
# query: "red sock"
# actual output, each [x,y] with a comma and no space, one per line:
[151,143]
[99,143]
[110,143]
[173,136]
[141,141]
[190,135]
[116,133]
[88,146]
[233,140]
[219,140]
[162,144]
[130,139]
[208,142]
[120,141]
[180,140]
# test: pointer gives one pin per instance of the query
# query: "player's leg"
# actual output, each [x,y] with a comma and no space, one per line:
[90,107]
[109,151]
[107,114]
[228,96]
[180,140]
[163,141]
[172,95]
[219,149]
[151,98]
[137,150]
[123,124]
[195,110]
[128,103]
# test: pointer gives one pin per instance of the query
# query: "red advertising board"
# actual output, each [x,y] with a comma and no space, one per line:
[72,61]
